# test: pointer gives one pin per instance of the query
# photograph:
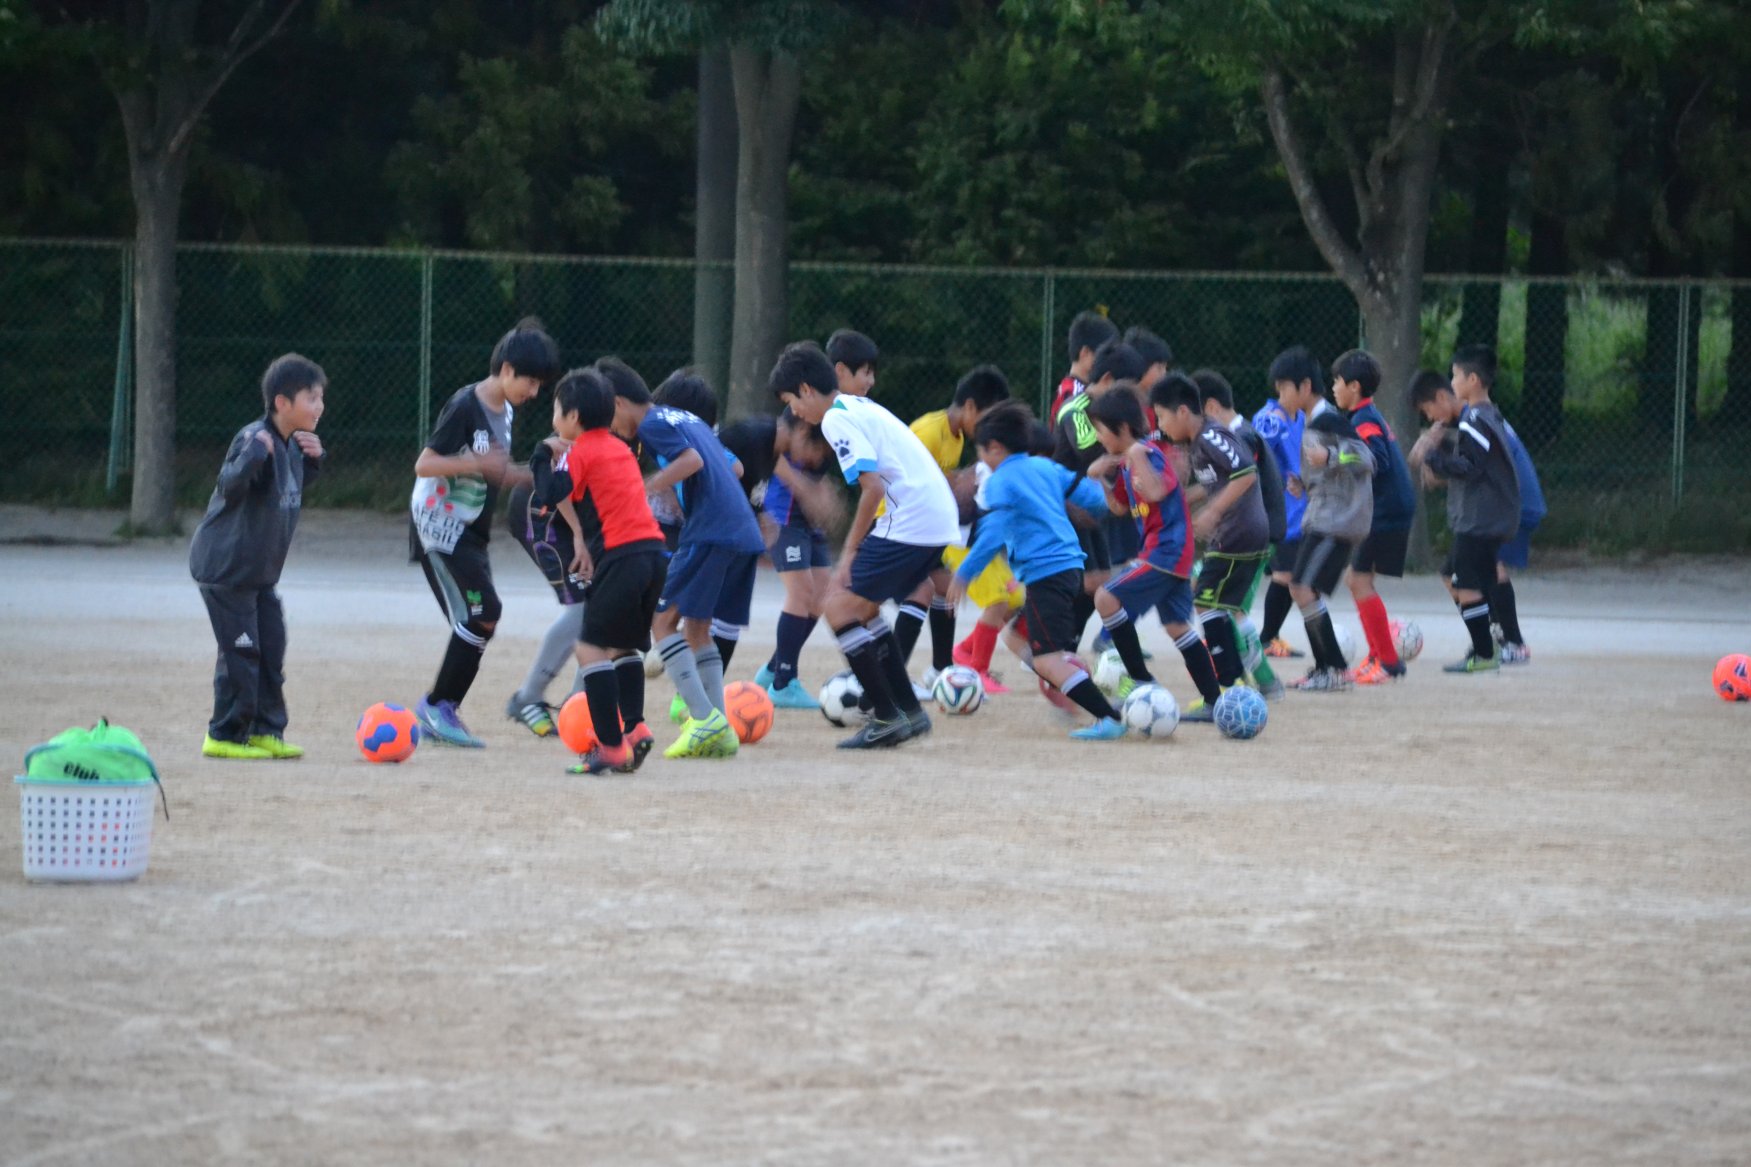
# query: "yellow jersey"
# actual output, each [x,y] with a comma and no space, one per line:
[940,439]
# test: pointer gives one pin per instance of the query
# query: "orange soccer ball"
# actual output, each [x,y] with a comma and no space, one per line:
[387,733]
[576,729]
[749,709]
[1733,677]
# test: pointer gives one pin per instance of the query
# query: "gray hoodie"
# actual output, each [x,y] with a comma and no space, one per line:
[244,537]
[1340,494]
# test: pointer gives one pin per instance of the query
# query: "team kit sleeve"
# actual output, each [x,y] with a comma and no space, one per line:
[451,433]
[553,480]
[662,437]
[1462,454]
[243,462]
[851,446]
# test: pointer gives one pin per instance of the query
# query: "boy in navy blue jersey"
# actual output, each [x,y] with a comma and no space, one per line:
[711,576]
[1354,378]
[239,551]
[1516,553]
[1025,518]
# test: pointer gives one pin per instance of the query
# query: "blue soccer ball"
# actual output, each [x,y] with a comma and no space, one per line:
[1241,713]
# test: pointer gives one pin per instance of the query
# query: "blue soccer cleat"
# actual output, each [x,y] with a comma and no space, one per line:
[1107,729]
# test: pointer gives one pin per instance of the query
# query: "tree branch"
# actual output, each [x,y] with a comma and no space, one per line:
[240,46]
[1343,258]
[1345,142]
[1430,67]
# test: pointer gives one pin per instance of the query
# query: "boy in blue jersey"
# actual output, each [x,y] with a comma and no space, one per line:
[1354,378]
[1299,385]
[1026,518]
[711,576]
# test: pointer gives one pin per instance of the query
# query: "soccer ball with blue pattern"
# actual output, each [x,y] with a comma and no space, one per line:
[958,690]
[1240,713]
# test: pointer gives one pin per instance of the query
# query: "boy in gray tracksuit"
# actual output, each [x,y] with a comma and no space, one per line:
[1337,471]
[239,550]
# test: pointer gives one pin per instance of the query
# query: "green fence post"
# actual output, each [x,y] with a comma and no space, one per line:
[1681,367]
[118,411]
[1046,309]
[425,406]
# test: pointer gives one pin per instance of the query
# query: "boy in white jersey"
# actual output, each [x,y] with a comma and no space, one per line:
[886,556]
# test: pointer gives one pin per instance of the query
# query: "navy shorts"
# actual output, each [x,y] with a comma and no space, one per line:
[886,570]
[1144,587]
[800,548]
[1517,552]
[708,581]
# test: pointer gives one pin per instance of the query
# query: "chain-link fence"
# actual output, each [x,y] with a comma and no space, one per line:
[1629,393]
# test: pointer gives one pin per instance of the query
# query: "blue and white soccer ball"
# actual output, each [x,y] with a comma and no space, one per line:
[958,690]
[1109,672]
[1241,713]
[839,697]
[1150,711]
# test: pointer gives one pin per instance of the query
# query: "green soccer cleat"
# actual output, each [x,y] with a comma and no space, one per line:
[212,747]
[536,715]
[1127,684]
[1474,663]
[277,746]
[678,710]
[1198,710]
[704,738]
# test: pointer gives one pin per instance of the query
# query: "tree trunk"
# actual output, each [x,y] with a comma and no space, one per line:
[1547,336]
[157,186]
[1488,256]
[1395,337]
[768,86]
[714,218]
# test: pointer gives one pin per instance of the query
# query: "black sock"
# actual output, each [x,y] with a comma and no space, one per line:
[1081,609]
[629,678]
[1198,665]
[793,631]
[908,623]
[1124,634]
[1224,645]
[603,695]
[456,674]
[1083,692]
[726,648]
[1477,622]
[1502,605]
[1277,605]
[860,653]
[1322,638]
[893,666]
[942,634]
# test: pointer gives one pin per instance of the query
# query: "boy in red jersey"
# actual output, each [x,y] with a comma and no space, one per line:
[1145,487]
[621,560]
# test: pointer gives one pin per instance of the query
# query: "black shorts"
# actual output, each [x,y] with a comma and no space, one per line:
[544,536]
[1322,562]
[1225,581]
[1471,563]
[1284,555]
[1097,553]
[887,570]
[799,549]
[1049,613]
[1382,553]
[462,581]
[623,600]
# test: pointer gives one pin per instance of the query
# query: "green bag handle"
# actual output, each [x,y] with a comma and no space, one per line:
[108,739]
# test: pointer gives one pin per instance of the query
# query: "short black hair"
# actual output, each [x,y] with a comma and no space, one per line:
[802,363]
[1428,385]
[1153,349]
[686,389]
[1360,367]
[1333,421]
[1213,386]
[1175,390]
[1479,359]
[625,379]
[1090,330]
[852,349]
[1041,441]
[983,385]
[590,395]
[528,350]
[1119,359]
[1010,425]
[1296,364]
[286,375]
[751,440]
[1120,407]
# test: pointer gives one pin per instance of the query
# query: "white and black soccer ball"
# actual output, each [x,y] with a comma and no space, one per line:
[1151,712]
[839,698]
[958,690]
[1407,637]
[1109,672]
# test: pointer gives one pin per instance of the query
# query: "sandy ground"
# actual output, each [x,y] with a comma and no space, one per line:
[1471,920]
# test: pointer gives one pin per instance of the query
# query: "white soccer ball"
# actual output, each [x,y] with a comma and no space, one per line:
[1150,711]
[1408,637]
[1347,643]
[958,690]
[653,664]
[1109,672]
[839,697]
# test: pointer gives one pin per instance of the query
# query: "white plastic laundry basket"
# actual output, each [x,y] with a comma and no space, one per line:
[79,831]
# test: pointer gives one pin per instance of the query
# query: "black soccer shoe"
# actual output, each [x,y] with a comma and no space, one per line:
[917,725]
[878,735]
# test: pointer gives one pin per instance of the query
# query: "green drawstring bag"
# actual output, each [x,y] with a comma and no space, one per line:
[105,754]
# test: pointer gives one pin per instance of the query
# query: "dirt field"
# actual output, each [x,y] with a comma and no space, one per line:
[1471,920]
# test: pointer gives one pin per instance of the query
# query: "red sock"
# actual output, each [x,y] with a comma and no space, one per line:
[981,642]
[1378,629]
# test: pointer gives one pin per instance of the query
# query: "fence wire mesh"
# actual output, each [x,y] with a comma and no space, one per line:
[1631,394]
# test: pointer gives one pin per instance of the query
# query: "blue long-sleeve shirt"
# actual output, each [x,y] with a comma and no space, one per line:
[1282,434]
[1532,508]
[1025,518]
